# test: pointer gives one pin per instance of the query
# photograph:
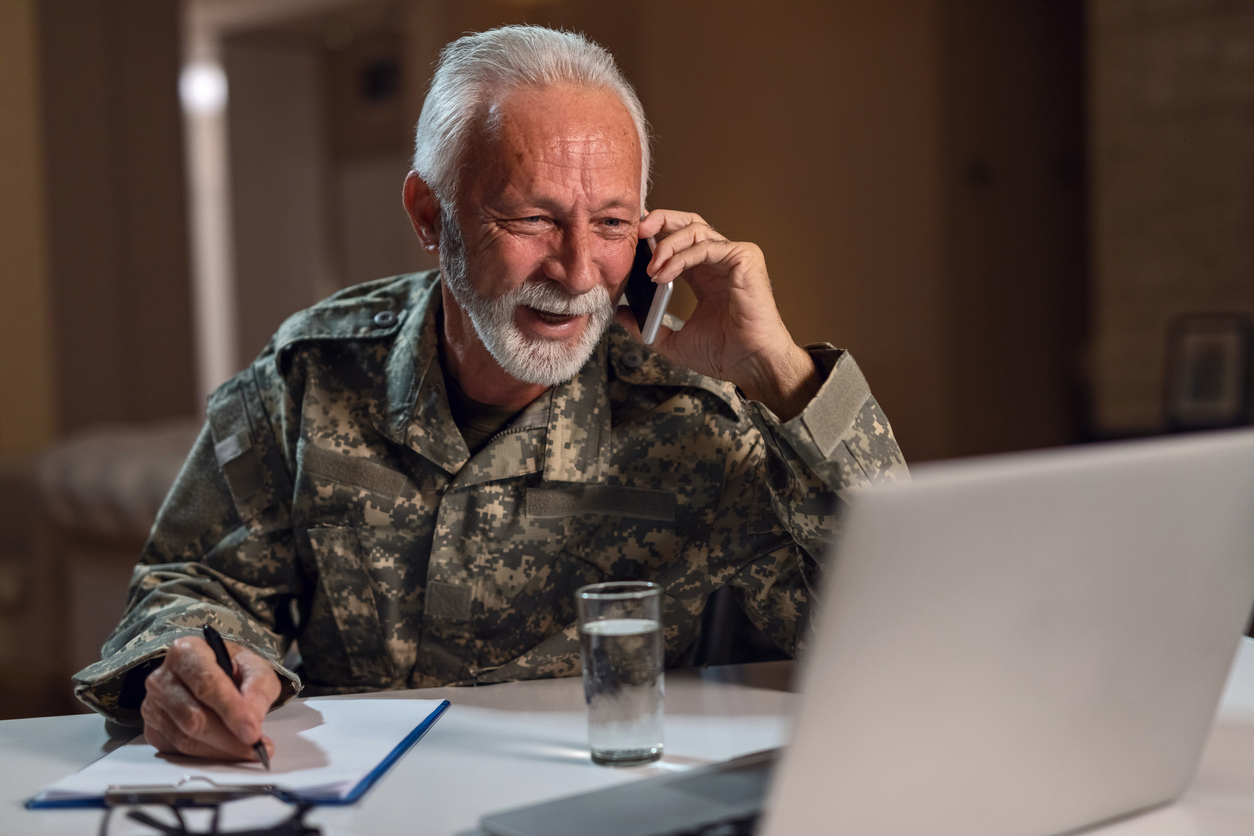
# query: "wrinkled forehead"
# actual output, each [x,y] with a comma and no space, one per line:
[561,125]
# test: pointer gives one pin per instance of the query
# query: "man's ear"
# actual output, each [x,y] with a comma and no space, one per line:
[424,212]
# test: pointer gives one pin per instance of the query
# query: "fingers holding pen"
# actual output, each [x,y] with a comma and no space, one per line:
[196,738]
[194,664]
[176,721]
[193,707]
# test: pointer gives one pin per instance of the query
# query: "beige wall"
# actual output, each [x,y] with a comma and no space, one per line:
[812,130]
[1172,143]
[913,170]
[27,401]
[120,266]
[839,137]
[276,128]
[1014,221]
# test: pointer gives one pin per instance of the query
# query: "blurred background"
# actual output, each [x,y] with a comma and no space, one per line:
[1030,221]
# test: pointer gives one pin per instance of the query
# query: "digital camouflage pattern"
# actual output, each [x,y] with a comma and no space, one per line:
[331,499]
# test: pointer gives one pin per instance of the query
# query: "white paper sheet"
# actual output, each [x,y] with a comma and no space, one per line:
[323,747]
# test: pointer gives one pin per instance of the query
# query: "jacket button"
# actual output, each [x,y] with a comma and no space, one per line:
[385,319]
[632,359]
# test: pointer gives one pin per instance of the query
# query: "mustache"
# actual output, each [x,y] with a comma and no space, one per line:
[551,298]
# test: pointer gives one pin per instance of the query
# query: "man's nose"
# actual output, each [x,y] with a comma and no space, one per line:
[572,265]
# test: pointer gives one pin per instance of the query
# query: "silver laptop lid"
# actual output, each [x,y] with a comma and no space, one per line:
[1023,645]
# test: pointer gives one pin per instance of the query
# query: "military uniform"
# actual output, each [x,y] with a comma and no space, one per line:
[330,498]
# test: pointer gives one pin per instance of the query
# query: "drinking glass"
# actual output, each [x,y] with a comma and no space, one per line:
[620,632]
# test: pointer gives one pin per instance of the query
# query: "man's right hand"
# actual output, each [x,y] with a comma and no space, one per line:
[192,707]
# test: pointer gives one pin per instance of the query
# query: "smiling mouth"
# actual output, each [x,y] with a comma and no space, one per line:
[553,318]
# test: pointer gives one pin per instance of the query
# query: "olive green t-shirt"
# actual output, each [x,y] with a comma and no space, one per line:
[478,422]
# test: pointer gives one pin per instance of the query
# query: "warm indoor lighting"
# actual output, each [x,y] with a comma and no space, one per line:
[202,88]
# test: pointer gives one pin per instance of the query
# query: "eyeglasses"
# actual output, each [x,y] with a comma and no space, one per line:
[182,810]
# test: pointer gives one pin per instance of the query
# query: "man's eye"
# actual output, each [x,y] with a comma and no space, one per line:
[532,219]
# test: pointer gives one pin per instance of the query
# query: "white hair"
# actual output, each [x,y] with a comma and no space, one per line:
[474,71]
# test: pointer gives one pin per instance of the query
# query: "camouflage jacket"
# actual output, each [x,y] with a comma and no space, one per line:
[331,499]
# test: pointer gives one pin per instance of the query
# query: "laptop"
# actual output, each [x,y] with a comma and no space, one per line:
[1019,645]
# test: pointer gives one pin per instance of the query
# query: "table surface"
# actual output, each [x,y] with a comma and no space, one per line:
[507,745]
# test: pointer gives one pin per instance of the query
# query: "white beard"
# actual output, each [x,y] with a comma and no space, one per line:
[529,359]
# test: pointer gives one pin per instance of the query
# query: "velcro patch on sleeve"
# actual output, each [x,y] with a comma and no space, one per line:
[231,448]
[839,401]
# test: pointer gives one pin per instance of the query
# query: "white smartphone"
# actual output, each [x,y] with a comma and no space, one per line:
[647,300]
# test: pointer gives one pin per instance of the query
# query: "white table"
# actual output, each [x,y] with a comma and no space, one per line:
[505,745]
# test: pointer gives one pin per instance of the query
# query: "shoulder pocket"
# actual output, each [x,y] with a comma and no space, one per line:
[246,449]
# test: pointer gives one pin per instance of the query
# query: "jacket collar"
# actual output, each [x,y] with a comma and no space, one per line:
[411,407]
[578,443]
[638,365]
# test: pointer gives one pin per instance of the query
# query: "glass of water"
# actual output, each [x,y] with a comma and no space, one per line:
[620,632]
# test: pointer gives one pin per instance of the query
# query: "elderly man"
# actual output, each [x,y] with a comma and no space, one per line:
[416,474]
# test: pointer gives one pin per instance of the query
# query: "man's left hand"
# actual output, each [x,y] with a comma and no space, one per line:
[735,332]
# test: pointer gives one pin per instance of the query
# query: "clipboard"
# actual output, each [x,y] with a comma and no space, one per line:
[328,751]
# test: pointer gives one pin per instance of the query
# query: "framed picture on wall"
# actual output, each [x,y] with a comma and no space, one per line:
[1208,371]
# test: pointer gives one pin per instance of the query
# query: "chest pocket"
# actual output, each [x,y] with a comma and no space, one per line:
[338,489]
[342,499]
[352,471]
[627,533]
[344,642]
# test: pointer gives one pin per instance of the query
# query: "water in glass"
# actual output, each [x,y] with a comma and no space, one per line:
[623,685]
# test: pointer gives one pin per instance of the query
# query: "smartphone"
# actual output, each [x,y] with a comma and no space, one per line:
[647,300]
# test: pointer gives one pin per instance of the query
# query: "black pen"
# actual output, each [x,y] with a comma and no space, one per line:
[224,662]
